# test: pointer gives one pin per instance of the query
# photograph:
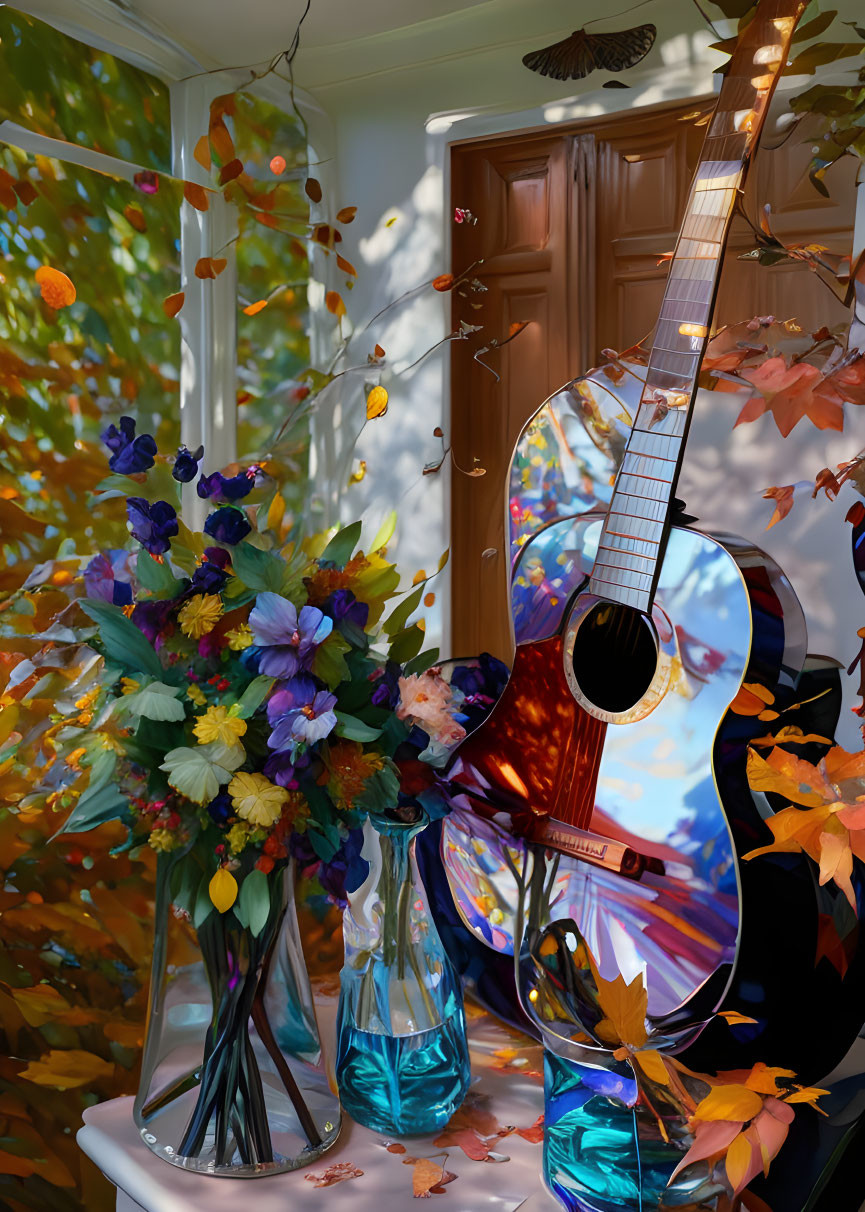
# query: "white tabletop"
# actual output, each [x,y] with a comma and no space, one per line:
[506,1069]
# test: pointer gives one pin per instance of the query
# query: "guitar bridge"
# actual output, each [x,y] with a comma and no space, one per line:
[593,848]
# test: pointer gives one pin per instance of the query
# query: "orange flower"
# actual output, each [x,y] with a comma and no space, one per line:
[350,768]
[57,290]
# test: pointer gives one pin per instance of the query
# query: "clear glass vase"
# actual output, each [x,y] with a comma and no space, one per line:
[232,1081]
[402,1056]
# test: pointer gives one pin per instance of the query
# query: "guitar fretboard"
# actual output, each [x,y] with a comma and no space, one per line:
[632,542]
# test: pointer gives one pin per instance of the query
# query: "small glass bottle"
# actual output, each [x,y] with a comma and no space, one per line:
[402,1056]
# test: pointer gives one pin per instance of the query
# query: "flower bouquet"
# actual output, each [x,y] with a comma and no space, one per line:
[251,694]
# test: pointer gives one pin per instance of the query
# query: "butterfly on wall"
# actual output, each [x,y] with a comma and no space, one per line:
[574,57]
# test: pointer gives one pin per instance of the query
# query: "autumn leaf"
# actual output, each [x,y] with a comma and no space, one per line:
[738,1161]
[172,305]
[783,498]
[56,288]
[67,1069]
[624,1006]
[426,1175]
[334,303]
[733,1017]
[230,171]
[729,1102]
[652,1064]
[346,266]
[443,282]
[253,309]
[277,165]
[346,215]
[202,152]
[134,216]
[376,403]
[339,1172]
[791,393]
[195,195]
[209,267]
[312,189]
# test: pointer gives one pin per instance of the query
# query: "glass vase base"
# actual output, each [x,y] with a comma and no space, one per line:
[404,1085]
[273,1142]
[598,1156]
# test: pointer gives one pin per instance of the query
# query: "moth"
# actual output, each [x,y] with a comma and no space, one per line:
[574,57]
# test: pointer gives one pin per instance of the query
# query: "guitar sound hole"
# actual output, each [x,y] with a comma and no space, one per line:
[615,656]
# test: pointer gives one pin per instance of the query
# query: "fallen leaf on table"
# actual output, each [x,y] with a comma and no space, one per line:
[472,1128]
[428,1176]
[534,1134]
[339,1172]
[395,1147]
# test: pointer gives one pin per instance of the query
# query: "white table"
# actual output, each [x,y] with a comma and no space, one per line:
[503,1083]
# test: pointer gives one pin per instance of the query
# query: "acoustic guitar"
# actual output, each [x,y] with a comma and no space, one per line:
[613,761]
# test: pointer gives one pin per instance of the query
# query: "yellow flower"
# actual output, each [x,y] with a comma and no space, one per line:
[162,840]
[256,799]
[218,724]
[129,685]
[237,837]
[197,695]
[200,615]
[239,638]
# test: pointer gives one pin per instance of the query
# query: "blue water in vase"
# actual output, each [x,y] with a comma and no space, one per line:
[592,1159]
[405,1085]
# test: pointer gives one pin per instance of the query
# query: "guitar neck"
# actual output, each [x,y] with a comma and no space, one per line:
[634,534]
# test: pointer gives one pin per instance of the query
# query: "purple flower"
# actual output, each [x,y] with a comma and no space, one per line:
[220,808]
[279,768]
[151,617]
[107,577]
[288,640]
[301,714]
[208,578]
[186,464]
[386,693]
[153,525]
[342,605]
[129,454]
[218,556]
[226,488]
[227,525]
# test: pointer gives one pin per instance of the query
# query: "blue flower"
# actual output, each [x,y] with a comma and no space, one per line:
[279,768]
[220,808]
[288,640]
[207,578]
[186,464]
[104,577]
[227,525]
[226,488]
[129,454]
[151,617]
[301,713]
[153,525]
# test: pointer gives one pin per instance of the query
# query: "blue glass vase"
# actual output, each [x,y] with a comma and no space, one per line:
[402,1057]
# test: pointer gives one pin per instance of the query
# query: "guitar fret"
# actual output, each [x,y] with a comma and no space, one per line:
[636,521]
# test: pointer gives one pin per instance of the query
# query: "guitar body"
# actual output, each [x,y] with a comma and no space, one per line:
[661,786]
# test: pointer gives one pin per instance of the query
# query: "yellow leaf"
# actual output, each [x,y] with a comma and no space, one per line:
[807,1094]
[419,576]
[223,890]
[202,152]
[357,476]
[764,777]
[624,1007]
[376,403]
[385,532]
[738,1160]
[734,1101]
[276,512]
[652,1064]
[733,1016]
[8,720]
[764,1079]
[66,1069]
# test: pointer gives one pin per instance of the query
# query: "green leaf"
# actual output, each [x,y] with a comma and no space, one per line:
[406,645]
[254,901]
[819,55]
[399,616]
[260,570]
[122,640]
[329,661]
[324,840]
[155,577]
[254,695]
[422,661]
[203,903]
[353,729]
[381,791]
[812,28]
[155,701]
[95,808]
[341,547]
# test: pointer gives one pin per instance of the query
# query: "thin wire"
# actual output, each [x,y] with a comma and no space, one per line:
[621,13]
[639,1162]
